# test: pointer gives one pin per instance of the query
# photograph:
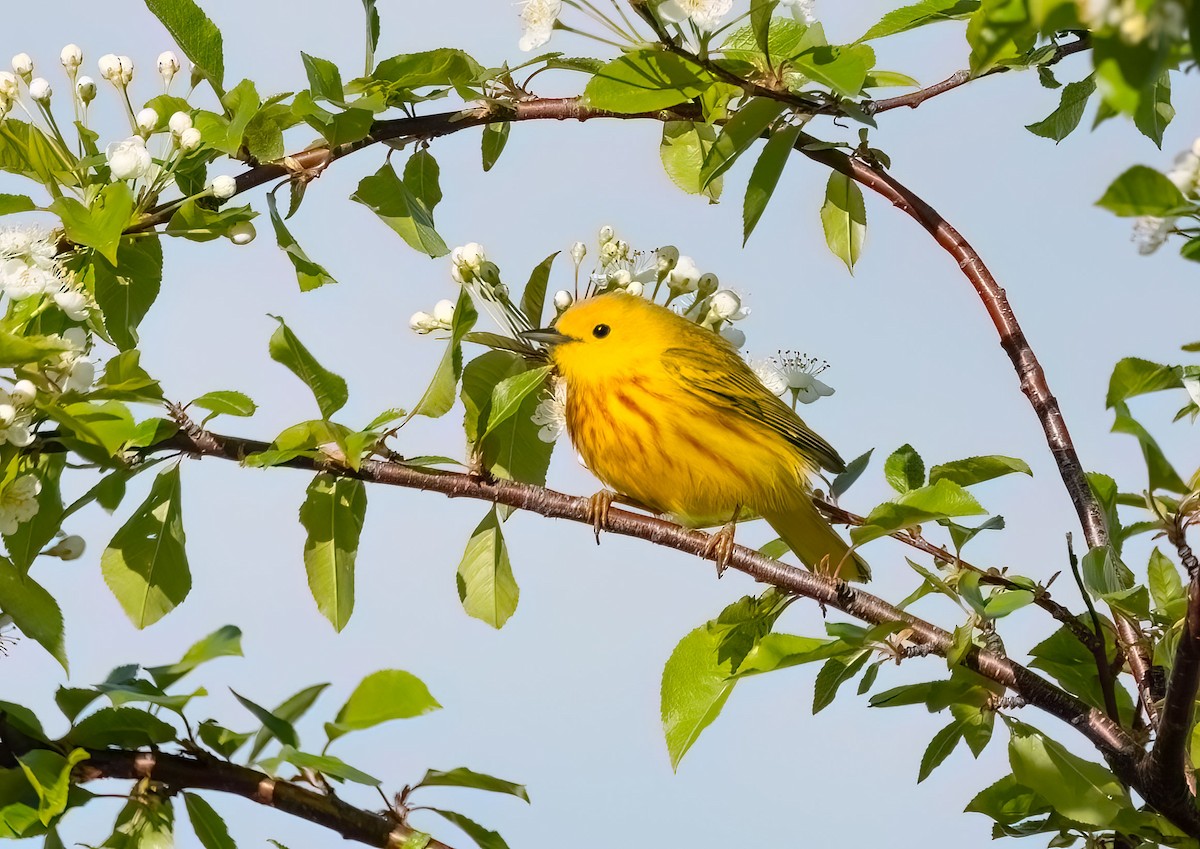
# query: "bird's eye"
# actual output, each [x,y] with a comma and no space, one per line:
[601,330]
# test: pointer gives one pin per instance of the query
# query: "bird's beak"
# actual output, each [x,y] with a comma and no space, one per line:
[547,336]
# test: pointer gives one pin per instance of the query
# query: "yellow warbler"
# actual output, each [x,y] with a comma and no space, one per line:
[666,412]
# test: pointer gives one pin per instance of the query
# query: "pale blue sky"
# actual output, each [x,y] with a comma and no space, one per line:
[565,697]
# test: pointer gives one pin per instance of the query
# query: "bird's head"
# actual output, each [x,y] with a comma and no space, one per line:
[610,336]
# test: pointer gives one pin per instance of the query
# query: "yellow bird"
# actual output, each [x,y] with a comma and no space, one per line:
[666,413]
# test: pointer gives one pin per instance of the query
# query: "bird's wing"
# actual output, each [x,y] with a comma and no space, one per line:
[721,377]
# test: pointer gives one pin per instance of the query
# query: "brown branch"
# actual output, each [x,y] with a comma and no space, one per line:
[183,772]
[1041,596]
[915,98]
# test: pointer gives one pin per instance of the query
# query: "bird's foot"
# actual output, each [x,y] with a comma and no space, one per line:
[598,507]
[720,547]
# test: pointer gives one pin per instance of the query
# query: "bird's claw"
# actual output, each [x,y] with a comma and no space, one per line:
[598,507]
[720,547]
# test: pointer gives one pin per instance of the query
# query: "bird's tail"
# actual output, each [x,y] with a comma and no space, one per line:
[816,543]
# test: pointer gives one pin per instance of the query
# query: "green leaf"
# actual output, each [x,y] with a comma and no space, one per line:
[439,396]
[385,194]
[1142,191]
[939,748]
[200,224]
[843,69]
[765,176]
[444,66]
[221,740]
[743,129]
[941,500]
[15,203]
[22,350]
[349,125]
[35,534]
[223,642]
[146,822]
[327,765]
[833,674]
[332,515]
[854,470]
[1069,662]
[1166,587]
[513,449]
[33,610]
[124,379]
[421,177]
[309,274]
[122,727]
[278,727]
[484,838]
[381,697]
[495,137]
[328,388]
[72,700]
[1104,573]
[999,32]
[100,225]
[695,687]
[372,42]
[533,299]
[904,469]
[1079,790]
[1062,121]
[324,79]
[1154,110]
[1008,802]
[684,148]
[463,777]
[225,402]
[50,775]
[196,35]
[508,395]
[973,470]
[1161,473]
[486,585]
[289,710]
[844,218]
[146,565]
[919,14]
[210,828]
[1132,377]
[126,287]
[781,651]
[643,80]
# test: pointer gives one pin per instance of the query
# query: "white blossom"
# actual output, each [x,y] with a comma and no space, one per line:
[110,68]
[802,10]
[128,159]
[18,502]
[223,187]
[28,263]
[73,302]
[22,393]
[71,57]
[68,548]
[126,65]
[538,18]
[800,371]
[242,233]
[607,234]
[578,252]
[22,65]
[189,139]
[443,311]
[705,14]
[665,259]
[180,122]
[147,120]
[1149,231]
[770,375]
[726,305]
[684,277]
[442,318]
[9,87]
[562,300]
[551,412]
[86,87]
[16,414]
[168,66]
[40,91]
[467,262]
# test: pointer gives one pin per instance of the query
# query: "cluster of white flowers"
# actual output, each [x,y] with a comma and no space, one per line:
[795,373]
[802,10]
[1136,22]
[551,413]
[16,414]
[442,318]
[29,266]
[1149,232]
[620,267]
[538,18]
[18,502]
[705,14]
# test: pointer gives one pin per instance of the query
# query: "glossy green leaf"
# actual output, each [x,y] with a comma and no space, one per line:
[124,379]
[695,688]
[381,697]
[1161,473]
[844,69]
[289,710]
[486,586]
[765,176]
[223,642]
[1103,572]
[509,394]
[533,298]
[854,470]
[278,728]
[385,194]
[1154,111]
[146,565]
[904,469]
[100,225]
[10,204]
[1133,376]
[18,350]
[328,765]
[1080,790]
[220,739]
[463,777]
[743,129]
[225,402]
[210,828]
[495,137]
[146,822]
[643,80]
[1066,117]
[122,727]
[1142,191]
[483,838]
[919,14]
[33,610]
[941,500]
[127,287]
[328,388]
[309,274]
[33,535]
[973,470]
[833,674]
[844,218]
[439,396]
[684,148]
[999,32]
[332,515]
[939,748]
[1166,587]
[196,35]
[49,774]
[324,79]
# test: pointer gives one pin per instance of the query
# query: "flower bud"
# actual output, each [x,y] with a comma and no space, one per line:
[67,548]
[23,392]
[73,302]
[71,58]
[168,66]
[473,255]
[40,91]
[110,68]
[8,85]
[620,279]
[126,70]
[724,304]
[443,312]
[7,413]
[147,120]
[607,234]
[180,122]
[635,288]
[706,285]
[608,252]
[224,187]
[128,159]
[622,249]
[578,252]
[189,139]
[562,300]
[665,259]
[684,276]
[86,87]
[22,66]
[242,233]
[422,323]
